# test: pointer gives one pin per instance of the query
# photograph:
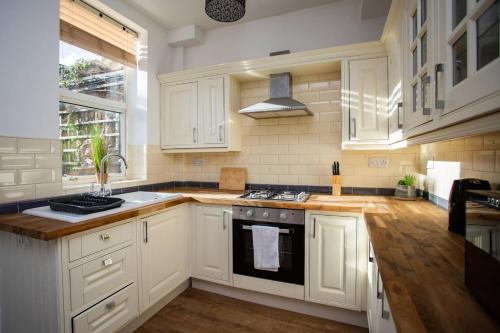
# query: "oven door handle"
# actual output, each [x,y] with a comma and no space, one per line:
[282,231]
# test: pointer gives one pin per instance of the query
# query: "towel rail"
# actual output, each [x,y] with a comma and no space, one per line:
[282,231]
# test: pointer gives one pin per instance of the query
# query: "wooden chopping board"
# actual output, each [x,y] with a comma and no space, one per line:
[233,179]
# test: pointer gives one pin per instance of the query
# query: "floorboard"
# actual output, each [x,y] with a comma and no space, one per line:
[200,311]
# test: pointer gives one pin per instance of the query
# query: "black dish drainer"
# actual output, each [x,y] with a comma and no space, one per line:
[84,204]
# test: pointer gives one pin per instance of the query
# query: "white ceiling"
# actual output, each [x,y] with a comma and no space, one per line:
[178,13]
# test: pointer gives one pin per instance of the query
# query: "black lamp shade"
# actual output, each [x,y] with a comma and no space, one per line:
[225,10]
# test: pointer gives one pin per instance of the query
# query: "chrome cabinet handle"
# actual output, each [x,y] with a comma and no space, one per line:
[353,130]
[220,133]
[385,313]
[379,294]
[145,226]
[105,236]
[107,262]
[439,104]
[194,134]
[314,227]
[400,115]
[224,213]
[370,258]
[110,305]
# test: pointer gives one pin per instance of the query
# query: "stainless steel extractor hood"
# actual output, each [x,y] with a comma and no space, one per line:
[281,104]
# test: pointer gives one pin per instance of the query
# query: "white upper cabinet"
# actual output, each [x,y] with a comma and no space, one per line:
[212,113]
[331,276]
[470,33]
[164,253]
[201,115]
[179,116]
[368,108]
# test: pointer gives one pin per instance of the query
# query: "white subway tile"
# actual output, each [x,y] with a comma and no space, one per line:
[48,190]
[48,161]
[17,161]
[8,145]
[35,176]
[17,193]
[483,161]
[8,177]
[33,146]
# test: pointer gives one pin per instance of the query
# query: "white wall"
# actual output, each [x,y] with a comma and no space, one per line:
[338,23]
[29,54]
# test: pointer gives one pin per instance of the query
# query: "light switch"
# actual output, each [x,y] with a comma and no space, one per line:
[378,162]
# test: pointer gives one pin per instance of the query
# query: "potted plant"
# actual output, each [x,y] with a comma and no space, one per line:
[98,151]
[406,188]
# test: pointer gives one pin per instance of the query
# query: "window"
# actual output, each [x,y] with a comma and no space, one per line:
[414,62]
[414,25]
[414,97]
[459,10]
[423,49]
[488,36]
[423,12]
[96,55]
[460,59]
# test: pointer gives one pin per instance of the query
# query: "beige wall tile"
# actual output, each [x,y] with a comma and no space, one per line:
[47,161]
[483,161]
[48,190]
[17,161]
[33,146]
[8,177]
[35,176]
[8,145]
[474,143]
[17,193]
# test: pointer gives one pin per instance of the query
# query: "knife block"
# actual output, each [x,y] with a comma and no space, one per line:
[336,187]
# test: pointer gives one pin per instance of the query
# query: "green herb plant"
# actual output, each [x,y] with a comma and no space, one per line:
[408,180]
[99,149]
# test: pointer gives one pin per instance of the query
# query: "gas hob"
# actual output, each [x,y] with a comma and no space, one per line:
[285,195]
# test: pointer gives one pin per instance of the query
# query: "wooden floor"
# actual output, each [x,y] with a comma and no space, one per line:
[200,311]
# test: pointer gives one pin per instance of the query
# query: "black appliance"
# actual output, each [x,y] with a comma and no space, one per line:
[291,242]
[285,195]
[482,248]
[458,197]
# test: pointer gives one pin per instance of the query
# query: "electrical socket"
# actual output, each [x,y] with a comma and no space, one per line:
[378,162]
[198,161]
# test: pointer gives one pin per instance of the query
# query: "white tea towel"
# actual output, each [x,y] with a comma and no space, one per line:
[265,248]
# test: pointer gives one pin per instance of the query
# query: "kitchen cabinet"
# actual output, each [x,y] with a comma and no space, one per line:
[164,253]
[331,260]
[200,115]
[179,116]
[212,232]
[378,311]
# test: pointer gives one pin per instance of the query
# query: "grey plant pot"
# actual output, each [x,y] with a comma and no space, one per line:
[405,192]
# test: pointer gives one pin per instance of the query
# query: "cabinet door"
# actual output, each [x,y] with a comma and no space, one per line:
[179,108]
[211,111]
[211,254]
[368,105]
[371,290]
[332,260]
[164,253]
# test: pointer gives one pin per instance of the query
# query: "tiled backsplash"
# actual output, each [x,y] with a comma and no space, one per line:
[29,168]
[299,150]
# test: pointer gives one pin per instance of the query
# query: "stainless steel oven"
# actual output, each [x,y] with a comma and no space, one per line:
[291,242]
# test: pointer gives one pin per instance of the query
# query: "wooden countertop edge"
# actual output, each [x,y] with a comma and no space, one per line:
[406,316]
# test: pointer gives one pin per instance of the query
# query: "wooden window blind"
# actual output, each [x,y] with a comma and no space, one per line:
[84,26]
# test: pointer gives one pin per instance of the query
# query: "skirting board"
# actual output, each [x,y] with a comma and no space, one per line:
[357,318]
[137,322]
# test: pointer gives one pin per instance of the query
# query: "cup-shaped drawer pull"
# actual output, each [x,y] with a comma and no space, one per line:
[107,262]
[110,305]
[105,236]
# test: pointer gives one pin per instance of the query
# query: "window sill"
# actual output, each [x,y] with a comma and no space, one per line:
[70,188]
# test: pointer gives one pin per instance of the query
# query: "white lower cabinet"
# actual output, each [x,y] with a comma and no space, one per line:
[110,314]
[377,307]
[331,260]
[212,234]
[163,253]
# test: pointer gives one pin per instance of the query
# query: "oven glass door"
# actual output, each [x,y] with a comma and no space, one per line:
[291,252]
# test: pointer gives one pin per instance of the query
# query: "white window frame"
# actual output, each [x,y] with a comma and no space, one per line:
[72,97]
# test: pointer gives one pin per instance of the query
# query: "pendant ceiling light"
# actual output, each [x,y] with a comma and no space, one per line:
[225,10]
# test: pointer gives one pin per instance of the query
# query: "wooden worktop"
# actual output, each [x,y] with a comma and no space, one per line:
[421,263]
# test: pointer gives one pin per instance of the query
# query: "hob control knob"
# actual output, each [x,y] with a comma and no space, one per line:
[249,213]
[265,214]
[283,216]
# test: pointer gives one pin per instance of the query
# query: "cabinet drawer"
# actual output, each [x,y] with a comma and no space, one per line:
[100,240]
[98,277]
[111,314]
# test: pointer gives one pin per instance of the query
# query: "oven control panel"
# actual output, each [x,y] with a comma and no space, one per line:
[264,214]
